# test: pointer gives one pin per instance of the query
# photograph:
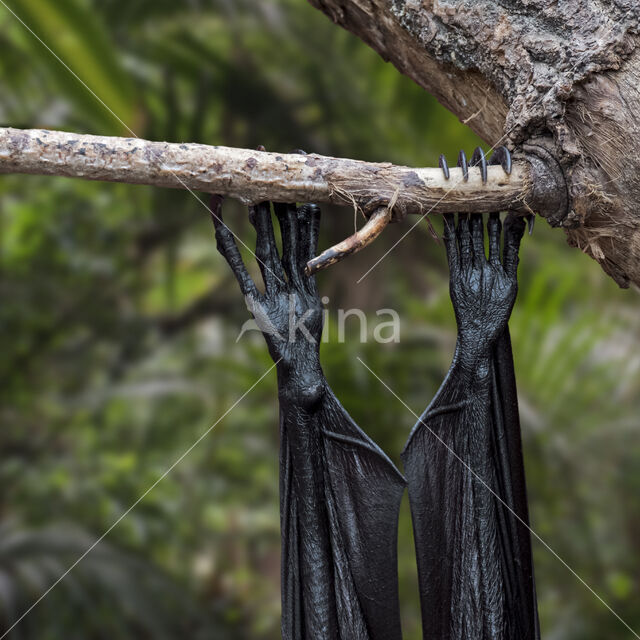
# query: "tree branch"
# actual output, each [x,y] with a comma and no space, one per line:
[254,176]
[559,75]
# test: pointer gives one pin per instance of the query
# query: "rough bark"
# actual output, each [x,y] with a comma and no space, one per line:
[563,76]
[256,176]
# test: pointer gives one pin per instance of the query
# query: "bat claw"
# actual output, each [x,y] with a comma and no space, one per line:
[478,159]
[464,165]
[442,163]
[502,156]
[531,220]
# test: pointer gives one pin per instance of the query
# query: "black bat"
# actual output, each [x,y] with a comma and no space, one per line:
[463,460]
[339,493]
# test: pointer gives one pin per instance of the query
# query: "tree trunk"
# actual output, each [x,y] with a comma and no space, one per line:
[557,78]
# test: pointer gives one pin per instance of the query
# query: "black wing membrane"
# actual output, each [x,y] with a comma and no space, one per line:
[511,487]
[339,494]
[464,467]
[361,492]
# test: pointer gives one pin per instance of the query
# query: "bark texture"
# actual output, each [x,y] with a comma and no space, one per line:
[257,176]
[559,76]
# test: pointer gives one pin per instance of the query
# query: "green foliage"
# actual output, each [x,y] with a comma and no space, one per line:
[118,329]
[79,58]
[109,593]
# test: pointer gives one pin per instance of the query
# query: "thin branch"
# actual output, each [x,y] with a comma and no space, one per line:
[254,176]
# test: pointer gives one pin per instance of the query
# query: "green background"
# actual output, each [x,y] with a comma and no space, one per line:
[118,326]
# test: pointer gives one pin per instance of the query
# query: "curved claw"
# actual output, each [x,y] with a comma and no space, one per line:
[502,156]
[478,159]
[464,165]
[442,163]
[360,239]
[531,220]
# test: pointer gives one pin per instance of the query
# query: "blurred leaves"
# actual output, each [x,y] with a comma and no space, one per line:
[119,325]
[110,592]
[70,31]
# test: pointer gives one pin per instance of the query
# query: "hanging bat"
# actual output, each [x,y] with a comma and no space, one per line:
[463,460]
[339,493]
